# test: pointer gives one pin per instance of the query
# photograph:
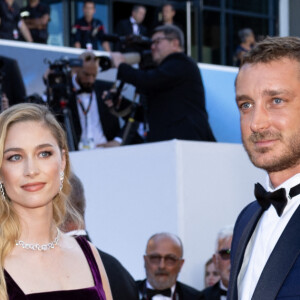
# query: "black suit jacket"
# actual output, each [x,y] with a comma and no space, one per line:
[212,292]
[109,122]
[13,85]
[183,291]
[176,101]
[280,278]
[122,284]
[124,28]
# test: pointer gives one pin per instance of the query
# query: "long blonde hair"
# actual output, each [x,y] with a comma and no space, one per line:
[9,221]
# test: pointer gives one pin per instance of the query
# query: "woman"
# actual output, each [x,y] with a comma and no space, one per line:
[37,260]
[211,274]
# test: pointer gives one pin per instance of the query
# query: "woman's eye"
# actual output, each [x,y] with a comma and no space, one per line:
[15,157]
[45,154]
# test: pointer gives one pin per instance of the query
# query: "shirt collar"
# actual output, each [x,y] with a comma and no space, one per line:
[222,286]
[132,20]
[288,184]
[75,83]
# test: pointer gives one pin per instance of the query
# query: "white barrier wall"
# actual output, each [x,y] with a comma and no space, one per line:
[189,188]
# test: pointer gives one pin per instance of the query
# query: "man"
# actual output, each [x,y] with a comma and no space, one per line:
[11,23]
[163,262]
[94,125]
[36,15]
[121,282]
[221,260]
[266,243]
[174,89]
[88,31]
[12,83]
[132,26]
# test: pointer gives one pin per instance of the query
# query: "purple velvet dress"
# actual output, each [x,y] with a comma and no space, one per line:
[93,293]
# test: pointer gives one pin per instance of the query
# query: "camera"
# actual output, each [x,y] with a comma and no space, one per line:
[59,81]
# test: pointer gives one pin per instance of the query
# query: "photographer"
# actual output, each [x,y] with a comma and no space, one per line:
[93,125]
[174,89]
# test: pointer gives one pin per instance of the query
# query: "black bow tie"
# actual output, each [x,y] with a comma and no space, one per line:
[277,198]
[151,293]
[223,292]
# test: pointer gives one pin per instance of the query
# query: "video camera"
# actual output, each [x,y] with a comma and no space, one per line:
[59,81]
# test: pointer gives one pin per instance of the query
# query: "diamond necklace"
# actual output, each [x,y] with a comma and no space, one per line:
[39,247]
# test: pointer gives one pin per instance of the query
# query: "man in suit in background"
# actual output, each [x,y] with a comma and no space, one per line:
[222,263]
[13,87]
[163,262]
[93,124]
[132,26]
[122,284]
[265,262]
[174,89]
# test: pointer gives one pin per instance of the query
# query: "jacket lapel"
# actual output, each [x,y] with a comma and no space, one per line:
[280,261]
[238,260]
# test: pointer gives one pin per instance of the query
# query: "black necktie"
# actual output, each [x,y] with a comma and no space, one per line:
[277,198]
[151,293]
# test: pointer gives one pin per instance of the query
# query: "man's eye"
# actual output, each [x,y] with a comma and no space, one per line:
[15,157]
[245,105]
[277,100]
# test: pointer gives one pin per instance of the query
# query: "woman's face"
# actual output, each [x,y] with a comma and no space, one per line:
[32,162]
[211,275]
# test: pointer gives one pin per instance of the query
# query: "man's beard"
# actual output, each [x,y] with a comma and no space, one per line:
[85,88]
[289,157]
[168,282]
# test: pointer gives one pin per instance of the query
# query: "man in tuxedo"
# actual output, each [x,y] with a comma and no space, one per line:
[174,89]
[163,262]
[122,284]
[13,87]
[132,26]
[94,125]
[221,260]
[266,242]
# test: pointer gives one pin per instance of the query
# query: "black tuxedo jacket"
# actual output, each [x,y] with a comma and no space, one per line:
[175,96]
[122,284]
[280,278]
[212,292]
[13,85]
[109,122]
[183,291]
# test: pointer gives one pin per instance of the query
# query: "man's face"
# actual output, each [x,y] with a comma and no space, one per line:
[168,13]
[139,15]
[162,46]
[268,97]
[86,76]
[162,273]
[222,260]
[89,11]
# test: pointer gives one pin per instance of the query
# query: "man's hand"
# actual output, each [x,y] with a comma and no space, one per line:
[117,58]
[109,144]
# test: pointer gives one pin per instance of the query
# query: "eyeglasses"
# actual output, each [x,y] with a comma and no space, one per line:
[159,39]
[225,253]
[170,260]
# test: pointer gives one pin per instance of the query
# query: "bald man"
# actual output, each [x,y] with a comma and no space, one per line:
[163,262]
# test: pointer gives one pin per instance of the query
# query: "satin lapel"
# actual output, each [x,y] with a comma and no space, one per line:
[238,260]
[280,261]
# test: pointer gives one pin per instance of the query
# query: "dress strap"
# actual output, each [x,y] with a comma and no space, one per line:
[86,248]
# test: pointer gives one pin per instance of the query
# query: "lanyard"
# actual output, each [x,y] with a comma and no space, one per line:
[85,111]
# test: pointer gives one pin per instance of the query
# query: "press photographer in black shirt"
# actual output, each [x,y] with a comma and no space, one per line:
[174,89]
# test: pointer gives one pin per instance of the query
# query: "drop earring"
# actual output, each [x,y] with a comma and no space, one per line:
[61,177]
[2,191]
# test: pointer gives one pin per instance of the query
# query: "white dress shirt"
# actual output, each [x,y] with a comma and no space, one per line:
[94,130]
[161,297]
[263,240]
[223,287]
[135,26]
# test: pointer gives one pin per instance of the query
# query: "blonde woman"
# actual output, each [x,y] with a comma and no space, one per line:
[38,261]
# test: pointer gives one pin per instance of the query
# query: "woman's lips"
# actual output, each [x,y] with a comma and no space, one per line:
[33,187]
